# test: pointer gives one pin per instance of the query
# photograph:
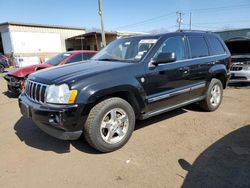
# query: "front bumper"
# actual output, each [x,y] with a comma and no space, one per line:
[13,84]
[63,122]
[240,76]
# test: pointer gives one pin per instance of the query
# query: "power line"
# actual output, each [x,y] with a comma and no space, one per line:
[217,8]
[153,19]
[209,27]
[145,21]
[232,21]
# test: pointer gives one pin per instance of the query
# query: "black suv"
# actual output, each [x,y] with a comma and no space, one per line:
[132,78]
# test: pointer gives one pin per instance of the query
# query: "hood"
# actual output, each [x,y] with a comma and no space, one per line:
[25,71]
[239,47]
[77,71]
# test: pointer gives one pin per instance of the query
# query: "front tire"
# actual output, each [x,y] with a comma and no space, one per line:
[110,124]
[214,96]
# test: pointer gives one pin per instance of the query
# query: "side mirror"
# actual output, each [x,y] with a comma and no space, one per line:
[164,58]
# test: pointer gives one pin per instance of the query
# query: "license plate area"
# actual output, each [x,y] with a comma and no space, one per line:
[25,110]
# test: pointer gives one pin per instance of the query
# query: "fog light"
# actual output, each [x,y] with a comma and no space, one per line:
[57,120]
[54,119]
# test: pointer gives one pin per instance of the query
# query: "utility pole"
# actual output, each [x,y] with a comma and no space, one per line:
[190,21]
[102,25]
[179,19]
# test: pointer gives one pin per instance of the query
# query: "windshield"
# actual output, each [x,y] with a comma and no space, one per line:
[129,49]
[57,59]
[239,47]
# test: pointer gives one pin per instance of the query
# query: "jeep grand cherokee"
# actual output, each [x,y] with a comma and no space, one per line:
[132,78]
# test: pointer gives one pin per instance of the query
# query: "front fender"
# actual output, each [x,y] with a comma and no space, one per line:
[96,91]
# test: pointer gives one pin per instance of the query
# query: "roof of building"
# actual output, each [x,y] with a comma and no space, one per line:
[41,25]
[93,33]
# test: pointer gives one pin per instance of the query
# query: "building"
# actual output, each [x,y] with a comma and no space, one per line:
[234,33]
[35,40]
[93,40]
[89,41]
[34,43]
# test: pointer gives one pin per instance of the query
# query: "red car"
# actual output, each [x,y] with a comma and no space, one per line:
[16,78]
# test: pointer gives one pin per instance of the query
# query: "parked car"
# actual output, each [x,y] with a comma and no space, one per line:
[240,50]
[4,63]
[132,78]
[16,78]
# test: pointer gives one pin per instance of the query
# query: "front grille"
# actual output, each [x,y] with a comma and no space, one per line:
[35,91]
[235,68]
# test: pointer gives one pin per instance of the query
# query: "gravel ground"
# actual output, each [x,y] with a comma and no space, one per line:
[183,148]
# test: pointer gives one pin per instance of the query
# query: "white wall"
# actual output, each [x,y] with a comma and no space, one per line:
[34,42]
[6,39]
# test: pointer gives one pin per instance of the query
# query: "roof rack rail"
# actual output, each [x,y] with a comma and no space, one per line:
[187,30]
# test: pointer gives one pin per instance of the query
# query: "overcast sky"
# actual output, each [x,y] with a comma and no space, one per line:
[130,15]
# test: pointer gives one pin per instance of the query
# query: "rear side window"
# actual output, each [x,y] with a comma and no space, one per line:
[215,45]
[198,46]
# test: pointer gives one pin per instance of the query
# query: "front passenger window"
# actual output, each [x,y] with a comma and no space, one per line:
[173,44]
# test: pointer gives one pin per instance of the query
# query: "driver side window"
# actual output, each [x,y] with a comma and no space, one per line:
[173,44]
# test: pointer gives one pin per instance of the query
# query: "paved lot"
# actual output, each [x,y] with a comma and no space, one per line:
[186,147]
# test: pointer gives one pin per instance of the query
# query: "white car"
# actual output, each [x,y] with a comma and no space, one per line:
[240,50]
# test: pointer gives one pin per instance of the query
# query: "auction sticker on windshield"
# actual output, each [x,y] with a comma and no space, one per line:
[148,41]
[67,55]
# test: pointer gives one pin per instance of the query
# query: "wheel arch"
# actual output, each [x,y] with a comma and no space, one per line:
[219,72]
[222,78]
[131,95]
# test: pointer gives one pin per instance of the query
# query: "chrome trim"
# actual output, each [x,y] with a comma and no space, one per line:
[31,91]
[35,93]
[150,114]
[197,58]
[167,95]
[29,88]
[40,93]
[198,86]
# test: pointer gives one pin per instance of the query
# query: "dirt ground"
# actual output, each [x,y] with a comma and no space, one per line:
[183,148]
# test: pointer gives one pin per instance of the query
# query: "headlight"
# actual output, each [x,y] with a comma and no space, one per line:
[60,94]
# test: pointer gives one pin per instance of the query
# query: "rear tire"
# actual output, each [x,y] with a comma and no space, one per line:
[110,124]
[214,96]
